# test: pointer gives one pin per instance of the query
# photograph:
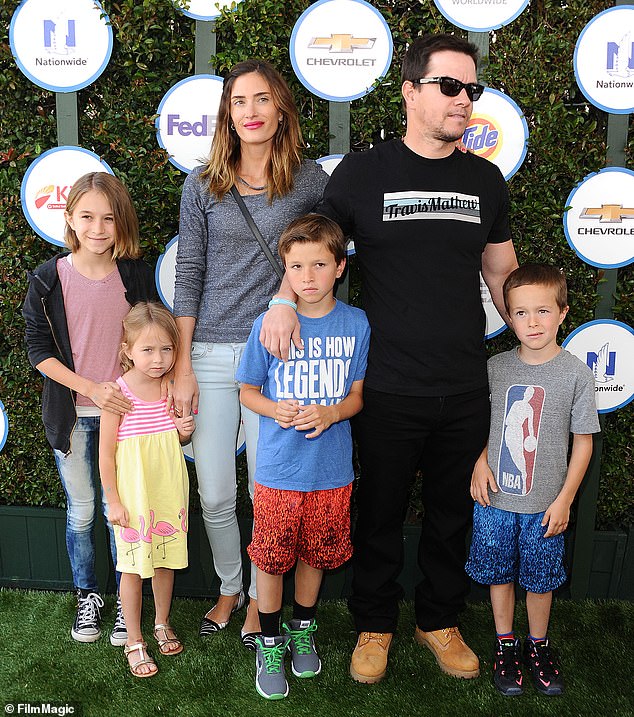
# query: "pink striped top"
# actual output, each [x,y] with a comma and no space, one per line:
[148,417]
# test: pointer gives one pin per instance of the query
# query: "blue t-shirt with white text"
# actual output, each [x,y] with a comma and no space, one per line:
[334,356]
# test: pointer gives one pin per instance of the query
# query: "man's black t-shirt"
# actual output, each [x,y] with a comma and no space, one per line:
[420,227]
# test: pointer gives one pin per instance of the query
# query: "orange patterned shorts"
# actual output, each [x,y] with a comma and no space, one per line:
[289,525]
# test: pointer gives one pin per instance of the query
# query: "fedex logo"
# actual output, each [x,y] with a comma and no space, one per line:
[204,128]
[602,363]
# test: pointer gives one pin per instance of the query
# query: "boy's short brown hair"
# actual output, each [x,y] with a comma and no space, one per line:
[313,228]
[537,274]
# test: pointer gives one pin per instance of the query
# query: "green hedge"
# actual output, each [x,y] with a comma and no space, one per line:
[531,60]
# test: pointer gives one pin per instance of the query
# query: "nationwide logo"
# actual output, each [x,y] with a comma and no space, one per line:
[603,365]
[608,214]
[341,43]
[60,38]
[620,62]
[205,127]
[58,196]
[483,137]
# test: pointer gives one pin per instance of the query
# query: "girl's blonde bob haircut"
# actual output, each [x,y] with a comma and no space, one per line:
[141,316]
[126,223]
[221,170]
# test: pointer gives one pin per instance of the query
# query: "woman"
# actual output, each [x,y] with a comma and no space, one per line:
[223,282]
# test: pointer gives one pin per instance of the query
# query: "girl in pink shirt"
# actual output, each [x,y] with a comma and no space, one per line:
[145,481]
[73,311]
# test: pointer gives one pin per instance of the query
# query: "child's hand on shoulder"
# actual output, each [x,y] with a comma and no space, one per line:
[556,517]
[285,412]
[118,515]
[482,479]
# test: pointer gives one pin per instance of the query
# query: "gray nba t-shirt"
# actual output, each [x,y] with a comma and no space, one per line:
[533,411]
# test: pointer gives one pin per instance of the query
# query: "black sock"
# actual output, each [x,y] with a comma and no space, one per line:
[270,623]
[301,612]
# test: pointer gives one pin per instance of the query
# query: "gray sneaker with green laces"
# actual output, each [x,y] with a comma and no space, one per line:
[305,661]
[270,680]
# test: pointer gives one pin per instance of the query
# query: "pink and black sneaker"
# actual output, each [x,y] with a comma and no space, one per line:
[507,673]
[544,669]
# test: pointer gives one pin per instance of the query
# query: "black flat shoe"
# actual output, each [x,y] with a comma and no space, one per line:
[209,627]
[248,639]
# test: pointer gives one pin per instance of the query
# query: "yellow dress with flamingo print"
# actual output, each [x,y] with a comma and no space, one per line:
[153,486]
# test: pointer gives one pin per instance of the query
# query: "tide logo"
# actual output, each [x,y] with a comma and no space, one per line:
[52,196]
[483,137]
[203,128]
[602,363]
[520,439]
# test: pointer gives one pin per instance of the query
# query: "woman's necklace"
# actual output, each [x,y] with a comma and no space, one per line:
[246,184]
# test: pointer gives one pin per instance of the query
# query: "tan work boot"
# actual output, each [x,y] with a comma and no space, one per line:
[369,659]
[452,653]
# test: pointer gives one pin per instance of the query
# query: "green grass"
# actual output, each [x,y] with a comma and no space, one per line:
[40,662]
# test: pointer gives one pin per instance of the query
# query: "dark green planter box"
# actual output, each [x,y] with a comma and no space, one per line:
[33,555]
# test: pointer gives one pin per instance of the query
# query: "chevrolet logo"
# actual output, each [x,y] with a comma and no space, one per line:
[342,43]
[608,213]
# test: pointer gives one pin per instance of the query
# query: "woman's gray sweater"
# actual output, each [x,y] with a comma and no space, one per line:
[223,278]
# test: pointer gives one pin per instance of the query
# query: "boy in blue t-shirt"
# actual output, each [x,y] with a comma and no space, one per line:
[304,474]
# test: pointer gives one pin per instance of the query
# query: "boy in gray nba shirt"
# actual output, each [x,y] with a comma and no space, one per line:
[523,483]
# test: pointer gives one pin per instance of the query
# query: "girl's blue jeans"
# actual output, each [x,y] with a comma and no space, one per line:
[79,474]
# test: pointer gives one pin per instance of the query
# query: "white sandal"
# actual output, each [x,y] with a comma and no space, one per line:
[144,659]
[166,640]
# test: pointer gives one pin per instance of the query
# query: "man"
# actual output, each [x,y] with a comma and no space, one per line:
[426,218]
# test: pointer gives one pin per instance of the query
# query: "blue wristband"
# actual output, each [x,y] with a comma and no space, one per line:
[285,302]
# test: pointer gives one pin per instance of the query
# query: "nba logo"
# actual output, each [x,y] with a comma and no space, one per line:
[520,438]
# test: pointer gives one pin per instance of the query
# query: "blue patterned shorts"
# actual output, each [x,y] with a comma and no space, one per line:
[508,547]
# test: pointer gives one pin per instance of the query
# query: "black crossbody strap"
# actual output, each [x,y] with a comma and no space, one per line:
[256,232]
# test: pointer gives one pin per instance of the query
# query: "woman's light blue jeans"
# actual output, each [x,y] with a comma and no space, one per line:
[214,447]
[79,474]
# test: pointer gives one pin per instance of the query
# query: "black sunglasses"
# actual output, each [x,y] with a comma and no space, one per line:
[452,88]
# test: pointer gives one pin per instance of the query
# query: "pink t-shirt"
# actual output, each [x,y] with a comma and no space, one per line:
[94,313]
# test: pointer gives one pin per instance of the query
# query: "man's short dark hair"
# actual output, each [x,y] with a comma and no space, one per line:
[416,60]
